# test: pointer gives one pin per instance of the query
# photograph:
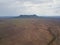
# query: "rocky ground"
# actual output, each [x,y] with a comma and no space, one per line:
[30,32]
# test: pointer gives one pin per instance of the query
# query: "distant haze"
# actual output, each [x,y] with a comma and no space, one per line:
[27,7]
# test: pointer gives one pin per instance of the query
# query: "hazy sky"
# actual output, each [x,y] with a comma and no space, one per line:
[39,7]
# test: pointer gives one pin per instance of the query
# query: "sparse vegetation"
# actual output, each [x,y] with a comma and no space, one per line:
[29,31]
[54,37]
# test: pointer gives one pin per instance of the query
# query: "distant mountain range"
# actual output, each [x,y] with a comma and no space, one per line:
[35,16]
[30,16]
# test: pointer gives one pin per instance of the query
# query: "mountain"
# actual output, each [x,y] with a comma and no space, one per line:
[28,16]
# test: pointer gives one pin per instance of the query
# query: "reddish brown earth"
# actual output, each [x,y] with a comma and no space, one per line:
[30,32]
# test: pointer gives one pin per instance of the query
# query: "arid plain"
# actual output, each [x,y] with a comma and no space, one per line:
[30,31]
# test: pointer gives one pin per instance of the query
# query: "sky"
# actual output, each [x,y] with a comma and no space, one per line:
[27,7]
